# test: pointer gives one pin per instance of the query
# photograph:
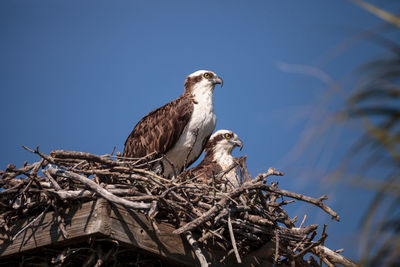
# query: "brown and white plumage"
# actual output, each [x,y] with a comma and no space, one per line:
[217,160]
[180,129]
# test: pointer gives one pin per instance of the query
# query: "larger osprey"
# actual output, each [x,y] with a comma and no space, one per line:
[180,129]
[218,161]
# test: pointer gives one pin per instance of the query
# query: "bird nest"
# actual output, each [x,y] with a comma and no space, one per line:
[238,221]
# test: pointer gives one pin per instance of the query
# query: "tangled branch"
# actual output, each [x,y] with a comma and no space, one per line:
[240,221]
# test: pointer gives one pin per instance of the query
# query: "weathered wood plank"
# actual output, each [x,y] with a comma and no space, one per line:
[80,221]
[131,229]
[99,218]
[135,229]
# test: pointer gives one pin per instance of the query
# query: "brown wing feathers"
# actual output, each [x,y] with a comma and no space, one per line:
[204,171]
[207,167]
[155,133]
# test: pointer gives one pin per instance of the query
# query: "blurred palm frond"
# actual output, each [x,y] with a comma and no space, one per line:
[385,15]
[376,103]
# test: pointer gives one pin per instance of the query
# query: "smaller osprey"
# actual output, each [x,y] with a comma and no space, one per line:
[218,159]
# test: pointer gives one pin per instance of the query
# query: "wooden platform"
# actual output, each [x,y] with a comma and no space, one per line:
[132,230]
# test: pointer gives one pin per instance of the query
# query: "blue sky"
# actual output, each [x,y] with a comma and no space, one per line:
[78,75]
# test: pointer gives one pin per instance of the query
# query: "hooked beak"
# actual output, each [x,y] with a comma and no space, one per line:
[218,80]
[238,143]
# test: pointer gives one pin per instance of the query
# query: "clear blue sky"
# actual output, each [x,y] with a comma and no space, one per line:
[78,75]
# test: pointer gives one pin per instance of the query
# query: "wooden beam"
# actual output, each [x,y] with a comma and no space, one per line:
[98,218]
[134,229]
[80,221]
[130,228]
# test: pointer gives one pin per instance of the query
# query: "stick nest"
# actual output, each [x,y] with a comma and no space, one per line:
[239,222]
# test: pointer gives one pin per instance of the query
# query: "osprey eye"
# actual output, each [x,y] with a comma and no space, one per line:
[207,75]
[228,136]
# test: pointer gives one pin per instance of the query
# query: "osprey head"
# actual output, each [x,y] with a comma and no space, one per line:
[202,81]
[223,142]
